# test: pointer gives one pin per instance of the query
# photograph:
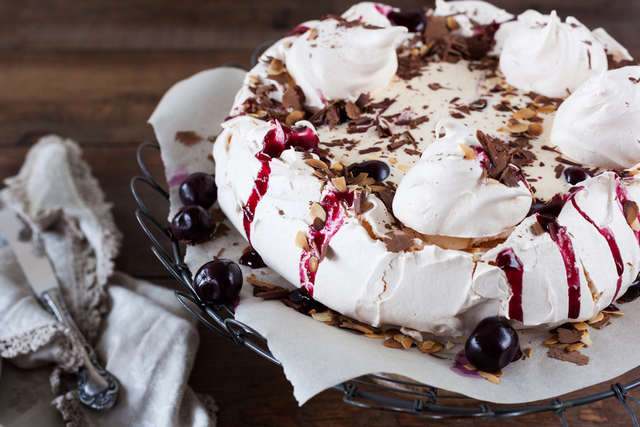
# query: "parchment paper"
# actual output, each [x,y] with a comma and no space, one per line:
[316,356]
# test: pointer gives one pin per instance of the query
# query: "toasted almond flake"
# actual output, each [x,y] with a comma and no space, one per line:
[585,338]
[338,167]
[301,241]
[423,49]
[317,211]
[312,34]
[552,340]
[313,264]
[510,89]
[575,346]
[518,127]
[399,337]
[535,129]
[469,153]
[498,373]
[502,129]
[415,52]
[525,113]
[634,172]
[452,24]
[404,168]
[356,327]
[253,79]
[390,333]
[259,283]
[490,377]
[293,117]
[393,161]
[527,352]
[340,184]
[317,164]
[276,67]
[391,343]
[406,342]
[635,225]
[470,367]
[449,345]
[368,181]
[581,326]
[494,181]
[616,313]
[545,109]
[374,335]
[596,319]
[373,156]
[322,317]
[426,345]
[430,346]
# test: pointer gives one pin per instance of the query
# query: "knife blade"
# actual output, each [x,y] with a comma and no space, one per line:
[97,388]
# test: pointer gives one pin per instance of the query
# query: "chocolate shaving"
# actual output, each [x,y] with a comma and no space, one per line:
[566,162]
[569,336]
[435,29]
[269,295]
[370,150]
[412,152]
[457,115]
[634,81]
[387,195]
[294,98]
[410,67]
[362,100]
[501,155]
[397,242]
[568,356]
[613,64]
[358,202]
[282,78]
[188,138]
[353,111]
[558,170]
[436,86]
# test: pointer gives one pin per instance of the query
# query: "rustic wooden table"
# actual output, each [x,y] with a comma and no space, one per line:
[94,71]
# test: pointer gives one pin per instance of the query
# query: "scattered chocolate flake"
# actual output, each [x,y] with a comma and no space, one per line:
[412,123]
[411,152]
[387,195]
[397,242]
[353,111]
[547,148]
[634,81]
[566,162]
[613,64]
[569,335]
[362,100]
[558,170]
[506,160]
[604,322]
[541,164]
[436,29]
[221,230]
[294,98]
[587,42]
[358,202]
[457,115]
[410,67]
[370,150]
[568,356]
[282,78]
[210,158]
[436,86]
[482,41]
[464,109]
[270,295]
[589,56]
[188,138]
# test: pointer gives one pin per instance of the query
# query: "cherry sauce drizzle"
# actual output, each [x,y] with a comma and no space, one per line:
[511,265]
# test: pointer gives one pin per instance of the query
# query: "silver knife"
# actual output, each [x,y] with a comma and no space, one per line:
[97,388]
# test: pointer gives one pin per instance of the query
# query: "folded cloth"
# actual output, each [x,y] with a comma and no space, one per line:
[138,331]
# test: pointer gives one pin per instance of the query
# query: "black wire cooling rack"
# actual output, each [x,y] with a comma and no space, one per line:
[370,391]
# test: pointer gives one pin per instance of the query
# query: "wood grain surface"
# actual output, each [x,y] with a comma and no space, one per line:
[94,71]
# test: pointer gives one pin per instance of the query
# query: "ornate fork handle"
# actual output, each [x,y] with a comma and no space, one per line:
[97,388]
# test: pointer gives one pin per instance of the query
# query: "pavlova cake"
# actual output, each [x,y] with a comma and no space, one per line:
[428,169]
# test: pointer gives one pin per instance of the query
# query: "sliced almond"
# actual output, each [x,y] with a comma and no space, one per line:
[415,52]
[399,337]
[391,343]
[490,377]
[312,34]
[406,342]
[470,367]
[469,153]
[596,319]
[527,352]
[430,346]
[630,209]
[404,168]
[374,335]
[518,127]
[552,340]
[535,129]
[338,167]
[498,373]
[317,164]
[525,113]
[581,326]
[575,346]
[501,129]
[452,24]
[255,282]
[301,241]
[340,184]
[393,161]
[253,79]
[449,345]
[313,264]
[293,117]
[317,211]
[423,49]
[545,109]
[356,327]
[322,317]
[585,338]
[276,67]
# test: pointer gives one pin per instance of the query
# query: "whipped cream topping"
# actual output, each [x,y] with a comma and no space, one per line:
[464,11]
[447,193]
[611,46]
[528,18]
[369,13]
[334,61]
[598,124]
[552,59]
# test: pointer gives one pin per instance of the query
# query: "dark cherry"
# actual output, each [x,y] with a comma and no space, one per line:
[574,175]
[302,298]
[218,281]
[413,19]
[492,345]
[192,225]
[252,259]
[374,168]
[198,189]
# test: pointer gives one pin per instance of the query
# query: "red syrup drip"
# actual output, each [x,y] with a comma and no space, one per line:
[547,217]
[508,262]
[277,140]
[252,259]
[318,240]
[607,233]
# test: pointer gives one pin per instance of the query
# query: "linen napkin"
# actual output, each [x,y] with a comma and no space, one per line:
[140,334]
